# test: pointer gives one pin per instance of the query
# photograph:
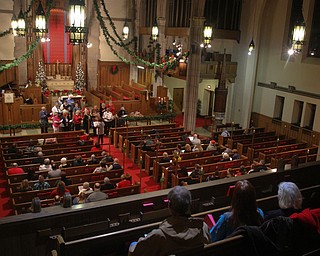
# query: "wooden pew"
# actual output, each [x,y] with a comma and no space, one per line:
[146,128]
[47,153]
[301,160]
[25,139]
[124,92]
[246,149]
[68,144]
[232,142]
[224,140]
[288,154]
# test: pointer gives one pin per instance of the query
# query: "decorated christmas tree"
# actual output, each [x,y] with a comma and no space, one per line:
[41,77]
[80,83]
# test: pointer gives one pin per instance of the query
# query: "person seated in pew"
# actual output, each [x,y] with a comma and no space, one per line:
[92,160]
[176,234]
[179,148]
[225,133]
[145,147]
[115,165]
[13,149]
[15,169]
[227,149]
[225,157]
[39,159]
[64,178]
[197,148]
[41,184]
[289,200]
[195,140]
[46,166]
[64,163]
[106,156]
[243,170]
[80,199]
[149,141]
[55,172]
[78,161]
[182,172]
[176,156]
[235,155]
[102,168]
[107,184]
[244,211]
[30,149]
[56,200]
[165,158]
[85,188]
[125,181]
[195,174]
[24,186]
[258,166]
[97,194]
[215,176]
[212,145]
[187,148]
[60,190]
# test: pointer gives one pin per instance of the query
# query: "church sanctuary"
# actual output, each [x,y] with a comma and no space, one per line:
[113,111]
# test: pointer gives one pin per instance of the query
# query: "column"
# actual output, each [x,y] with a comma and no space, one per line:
[194,63]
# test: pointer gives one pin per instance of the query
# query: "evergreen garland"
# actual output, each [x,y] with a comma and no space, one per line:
[80,83]
[6,32]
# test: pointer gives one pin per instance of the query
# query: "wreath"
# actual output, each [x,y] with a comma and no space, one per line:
[114,69]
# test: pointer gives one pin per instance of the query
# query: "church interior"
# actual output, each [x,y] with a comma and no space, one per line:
[177,67]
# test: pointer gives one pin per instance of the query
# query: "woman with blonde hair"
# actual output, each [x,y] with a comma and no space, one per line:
[24,186]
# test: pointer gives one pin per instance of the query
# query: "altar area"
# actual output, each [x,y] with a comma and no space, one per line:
[59,76]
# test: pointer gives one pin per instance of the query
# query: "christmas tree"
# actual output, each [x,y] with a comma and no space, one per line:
[80,83]
[41,77]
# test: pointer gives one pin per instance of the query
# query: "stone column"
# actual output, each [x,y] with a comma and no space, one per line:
[194,63]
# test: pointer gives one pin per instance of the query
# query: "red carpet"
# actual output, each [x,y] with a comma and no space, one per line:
[147,182]
[5,204]
[200,121]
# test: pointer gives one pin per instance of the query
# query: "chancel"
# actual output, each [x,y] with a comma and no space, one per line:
[86,84]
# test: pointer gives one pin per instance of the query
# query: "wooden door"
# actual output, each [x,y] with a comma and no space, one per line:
[178,98]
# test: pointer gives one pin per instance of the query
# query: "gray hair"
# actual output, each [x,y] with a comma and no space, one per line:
[289,196]
[179,200]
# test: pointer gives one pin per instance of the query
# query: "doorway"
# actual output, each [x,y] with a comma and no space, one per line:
[178,99]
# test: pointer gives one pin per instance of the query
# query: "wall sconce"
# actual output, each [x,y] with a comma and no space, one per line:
[125,31]
[155,31]
[14,24]
[40,30]
[207,35]
[77,27]
[21,24]
[251,47]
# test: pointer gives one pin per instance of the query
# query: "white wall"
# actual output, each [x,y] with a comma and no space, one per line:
[7,41]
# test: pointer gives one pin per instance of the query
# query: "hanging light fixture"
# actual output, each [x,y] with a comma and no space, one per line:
[21,24]
[14,24]
[40,30]
[207,35]
[298,33]
[251,47]
[76,26]
[125,31]
[155,31]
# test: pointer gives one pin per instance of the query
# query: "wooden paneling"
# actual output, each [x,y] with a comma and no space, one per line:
[30,113]
[8,75]
[281,127]
[106,78]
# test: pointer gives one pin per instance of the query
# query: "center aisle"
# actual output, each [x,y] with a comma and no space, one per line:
[147,182]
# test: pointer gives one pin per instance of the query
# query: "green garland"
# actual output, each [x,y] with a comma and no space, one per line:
[168,65]
[4,33]
[34,44]
[16,126]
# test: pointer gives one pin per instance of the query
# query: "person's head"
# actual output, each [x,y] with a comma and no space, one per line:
[262,162]
[217,174]
[103,163]
[61,187]
[57,199]
[78,158]
[165,155]
[41,178]
[103,105]
[97,186]
[106,180]
[197,167]
[225,156]
[43,108]
[289,196]
[195,136]
[40,154]
[93,156]
[179,201]
[46,161]
[86,185]
[25,183]
[63,160]
[187,147]
[14,165]
[243,204]
[116,161]
[78,112]
[122,108]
